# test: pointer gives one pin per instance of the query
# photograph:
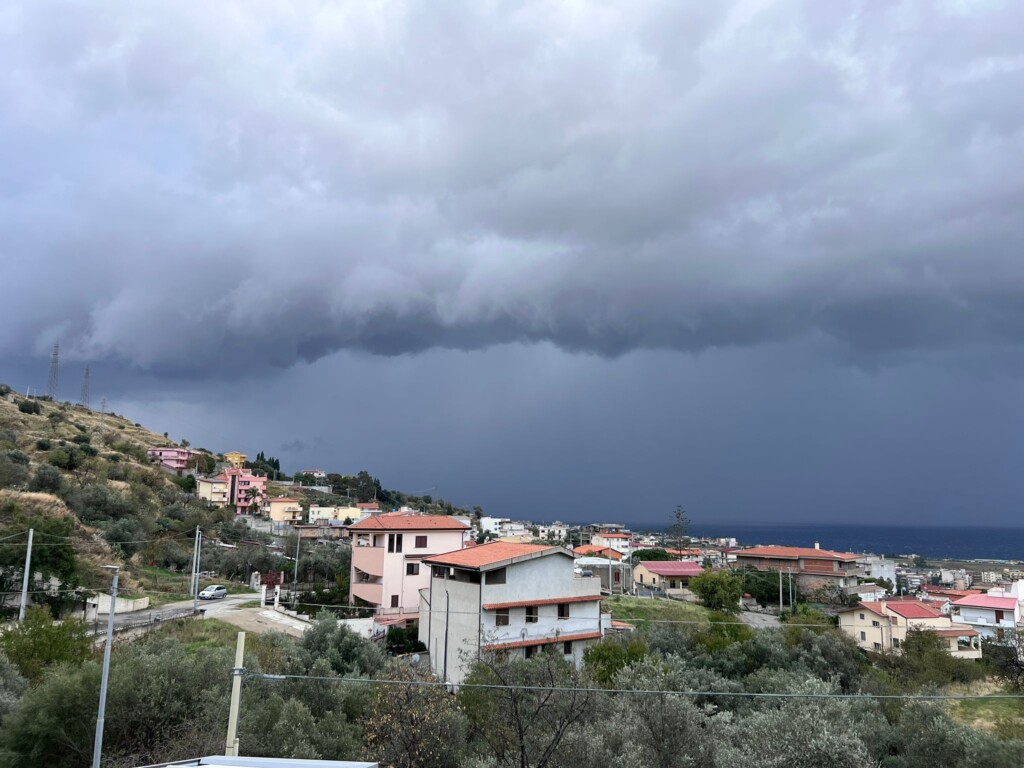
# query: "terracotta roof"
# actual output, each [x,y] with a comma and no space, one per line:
[954,632]
[543,641]
[409,523]
[622,624]
[870,606]
[793,553]
[942,592]
[367,505]
[490,554]
[913,610]
[673,567]
[545,601]
[593,549]
[987,601]
[613,535]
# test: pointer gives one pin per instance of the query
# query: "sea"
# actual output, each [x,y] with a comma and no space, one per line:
[930,542]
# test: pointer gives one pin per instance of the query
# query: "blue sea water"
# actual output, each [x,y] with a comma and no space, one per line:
[935,542]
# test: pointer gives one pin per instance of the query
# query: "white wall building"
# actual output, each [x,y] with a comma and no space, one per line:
[990,614]
[613,540]
[877,567]
[554,531]
[387,556]
[325,515]
[501,596]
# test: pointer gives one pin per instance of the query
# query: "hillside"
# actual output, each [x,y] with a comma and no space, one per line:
[82,480]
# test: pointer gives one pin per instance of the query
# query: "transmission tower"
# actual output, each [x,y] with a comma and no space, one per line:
[103,405]
[51,386]
[84,399]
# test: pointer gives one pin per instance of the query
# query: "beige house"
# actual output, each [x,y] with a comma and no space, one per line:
[882,627]
[283,510]
[213,489]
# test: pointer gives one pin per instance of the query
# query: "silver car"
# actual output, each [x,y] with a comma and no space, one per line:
[213,592]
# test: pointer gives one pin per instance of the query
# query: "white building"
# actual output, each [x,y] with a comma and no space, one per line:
[387,556]
[613,540]
[554,531]
[990,614]
[515,598]
[326,515]
[877,567]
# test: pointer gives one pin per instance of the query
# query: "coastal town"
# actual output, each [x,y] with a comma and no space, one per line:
[469,583]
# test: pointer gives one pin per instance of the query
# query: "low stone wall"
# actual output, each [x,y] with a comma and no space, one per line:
[124,604]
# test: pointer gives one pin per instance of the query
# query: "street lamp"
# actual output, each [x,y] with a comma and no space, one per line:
[98,746]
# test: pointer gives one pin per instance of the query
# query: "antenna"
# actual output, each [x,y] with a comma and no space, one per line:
[84,399]
[51,386]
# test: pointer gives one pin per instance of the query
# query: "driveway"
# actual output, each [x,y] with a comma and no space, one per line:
[760,620]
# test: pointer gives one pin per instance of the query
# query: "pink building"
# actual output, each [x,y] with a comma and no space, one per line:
[387,551]
[234,486]
[175,459]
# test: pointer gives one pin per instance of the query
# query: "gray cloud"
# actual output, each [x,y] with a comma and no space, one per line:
[218,190]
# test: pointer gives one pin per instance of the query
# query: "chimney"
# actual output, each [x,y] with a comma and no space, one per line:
[817,545]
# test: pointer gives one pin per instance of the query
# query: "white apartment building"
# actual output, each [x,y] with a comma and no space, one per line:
[554,531]
[327,515]
[387,556]
[613,540]
[512,598]
[993,613]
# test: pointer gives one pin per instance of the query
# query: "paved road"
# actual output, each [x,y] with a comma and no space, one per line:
[760,620]
[214,608]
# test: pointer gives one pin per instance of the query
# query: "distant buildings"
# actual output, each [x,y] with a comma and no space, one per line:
[387,555]
[509,598]
[176,460]
[316,474]
[342,515]
[283,511]
[612,540]
[235,459]
[814,568]
[882,627]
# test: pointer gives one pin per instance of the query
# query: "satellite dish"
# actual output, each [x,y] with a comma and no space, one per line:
[415,658]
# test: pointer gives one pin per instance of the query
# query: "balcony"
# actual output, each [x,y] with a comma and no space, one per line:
[371,592]
[369,560]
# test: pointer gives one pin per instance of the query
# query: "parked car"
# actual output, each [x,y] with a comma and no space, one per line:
[213,592]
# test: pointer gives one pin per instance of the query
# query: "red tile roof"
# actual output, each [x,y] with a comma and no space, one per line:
[871,606]
[613,535]
[793,553]
[489,554]
[965,632]
[587,550]
[545,601]
[543,641]
[672,568]
[409,523]
[987,601]
[913,610]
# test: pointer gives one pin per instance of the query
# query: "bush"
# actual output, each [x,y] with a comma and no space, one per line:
[29,406]
[718,591]
[12,474]
[66,458]
[47,479]
[43,444]
[81,439]
[37,643]
[18,457]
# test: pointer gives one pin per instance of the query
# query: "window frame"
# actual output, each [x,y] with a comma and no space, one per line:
[501,617]
[532,614]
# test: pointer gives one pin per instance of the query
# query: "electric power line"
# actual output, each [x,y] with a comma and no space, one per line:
[51,384]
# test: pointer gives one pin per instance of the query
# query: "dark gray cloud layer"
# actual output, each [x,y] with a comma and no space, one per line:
[200,188]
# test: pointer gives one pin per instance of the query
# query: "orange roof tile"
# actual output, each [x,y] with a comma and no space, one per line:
[593,549]
[913,610]
[793,553]
[543,641]
[489,554]
[409,523]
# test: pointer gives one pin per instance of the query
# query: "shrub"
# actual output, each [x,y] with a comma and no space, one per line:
[47,479]
[12,473]
[81,439]
[66,458]
[18,457]
[29,406]
[718,591]
[43,444]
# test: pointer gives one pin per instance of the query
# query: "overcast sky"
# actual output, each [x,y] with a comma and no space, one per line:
[561,260]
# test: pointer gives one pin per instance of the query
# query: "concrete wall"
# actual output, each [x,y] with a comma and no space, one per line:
[124,605]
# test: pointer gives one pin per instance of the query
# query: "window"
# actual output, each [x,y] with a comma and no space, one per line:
[496,577]
[563,610]
[862,617]
[438,571]
[895,642]
[863,636]
[394,601]
[501,617]
[875,624]
[530,650]
[421,542]
[878,646]
[412,569]
[531,614]
[567,647]
[394,542]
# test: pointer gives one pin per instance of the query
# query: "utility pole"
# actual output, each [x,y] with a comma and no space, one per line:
[51,384]
[84,399]
[298,541]
[195,569]
[231,747]
[98,745]
[780,591]
[24,577]
[791,588]
[199,561]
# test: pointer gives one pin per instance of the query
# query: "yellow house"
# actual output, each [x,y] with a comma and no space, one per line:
[213,490]
[882,627]
[283,510]
[235,459]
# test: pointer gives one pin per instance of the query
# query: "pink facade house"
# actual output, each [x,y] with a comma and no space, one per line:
[387,553]
[234,486]
[176,460]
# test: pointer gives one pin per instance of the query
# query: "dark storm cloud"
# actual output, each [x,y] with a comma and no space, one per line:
[190,188]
